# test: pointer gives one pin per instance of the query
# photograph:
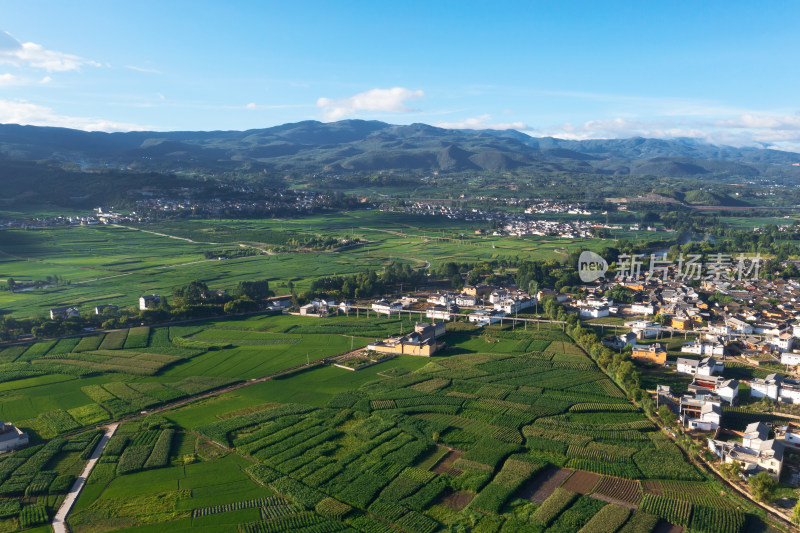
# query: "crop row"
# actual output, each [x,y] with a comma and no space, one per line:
[597,407]
[114,340]
[160,454]
[665,463]
[304,520]
[620,489]
[619,469]
[608,520]
[272,501]
[546,513]
[137,337]
[297,491]
[33,515]
[513,474]
[674,511]
[88,344]
[712,520]
[220,430]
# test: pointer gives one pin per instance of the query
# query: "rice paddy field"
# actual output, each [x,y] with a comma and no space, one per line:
[503,430]
[116,265]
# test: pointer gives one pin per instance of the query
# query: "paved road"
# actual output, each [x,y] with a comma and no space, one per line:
[60,520]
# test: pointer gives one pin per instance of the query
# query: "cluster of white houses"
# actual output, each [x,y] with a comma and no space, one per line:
[489,303]
[701,410]
[776,387]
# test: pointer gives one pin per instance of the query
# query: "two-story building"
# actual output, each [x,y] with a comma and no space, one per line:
[318,307]
[441,312]
[767,387]
[466,300]
[149,301]
[681,322]
[701,412]
[701,347]
[654,353]
[704,367]
[776,387]
[757,452]
[385,307]
[485,317]
[422,341]
[644,329]
[59,313]
[726,389]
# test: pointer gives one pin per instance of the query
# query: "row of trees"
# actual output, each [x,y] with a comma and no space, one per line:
[365,284]
[193,300]
[12,285]
[618,366]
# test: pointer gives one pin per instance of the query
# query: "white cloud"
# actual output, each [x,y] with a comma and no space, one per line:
[143,69]
[46,79]
[391,100]
[753,129]
[760,121]
[35,55]
[23,112]
[8,79]
[253,105]
[482,123]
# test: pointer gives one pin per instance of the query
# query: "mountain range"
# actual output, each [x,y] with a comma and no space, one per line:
[359,146]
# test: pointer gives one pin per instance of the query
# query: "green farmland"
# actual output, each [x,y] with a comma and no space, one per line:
[460,441]
[50,388]
[115,265]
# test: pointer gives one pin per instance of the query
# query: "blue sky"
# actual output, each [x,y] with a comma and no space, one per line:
[725,72]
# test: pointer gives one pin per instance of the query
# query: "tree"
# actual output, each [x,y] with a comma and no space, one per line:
[731,471]
[766,403]
[255,290]
[762,487]
[666,415]
[10,283]
[242,305]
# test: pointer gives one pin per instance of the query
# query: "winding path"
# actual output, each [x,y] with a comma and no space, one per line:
[60,520]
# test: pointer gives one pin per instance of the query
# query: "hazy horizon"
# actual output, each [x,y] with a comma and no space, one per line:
[715,71]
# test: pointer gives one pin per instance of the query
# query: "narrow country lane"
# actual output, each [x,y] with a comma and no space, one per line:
[60,520]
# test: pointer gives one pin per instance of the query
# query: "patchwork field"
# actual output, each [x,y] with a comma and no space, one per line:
[51,388]
[472,439]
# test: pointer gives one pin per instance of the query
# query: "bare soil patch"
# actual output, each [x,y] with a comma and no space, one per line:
[542,486]
[445,466]
[456,500]
[665,527]
[653,487]
[582,482]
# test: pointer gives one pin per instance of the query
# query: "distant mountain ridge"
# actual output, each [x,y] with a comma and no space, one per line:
[369,146]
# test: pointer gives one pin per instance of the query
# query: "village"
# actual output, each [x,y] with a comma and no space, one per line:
[509,223]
